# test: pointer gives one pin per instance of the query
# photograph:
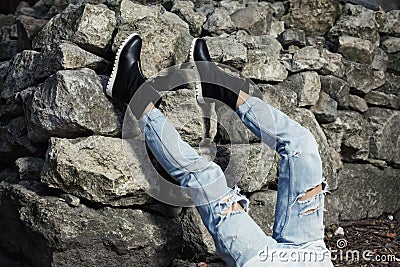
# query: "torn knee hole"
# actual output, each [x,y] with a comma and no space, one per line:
[311,193]
[310,211]
[234,207]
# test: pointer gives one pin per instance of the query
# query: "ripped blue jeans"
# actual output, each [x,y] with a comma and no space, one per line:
[239,240]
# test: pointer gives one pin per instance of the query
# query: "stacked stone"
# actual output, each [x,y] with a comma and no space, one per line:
[67,197]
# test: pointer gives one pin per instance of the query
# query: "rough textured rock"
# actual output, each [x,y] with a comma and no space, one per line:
[381,99]
[325,110]
[357,21]
[256,20]
[27,28]
[337,89]
[44,231]
[389,22]
[306,85]
[391,44]
[348,136]
[393,63]
[29,168]
[130,12]
[8,49]
[262,209]
[312,58]
[185,10]
[219,22]
[256,164]
[230,128]
[279,97]
[68,104]
[362,77]
[380,60]
[14,141]
[384,134]
[356,49]
[189,118]
[89,26]
[95,169]
[368,191]
[358,104]
[227,51]
[314,17]
[198,243]
[295,37]
[263,67]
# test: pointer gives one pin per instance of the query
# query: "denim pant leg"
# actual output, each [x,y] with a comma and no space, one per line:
[237,237]
[296,221]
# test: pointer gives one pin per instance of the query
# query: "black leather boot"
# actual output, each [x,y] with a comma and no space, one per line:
[212,82]
[127,77]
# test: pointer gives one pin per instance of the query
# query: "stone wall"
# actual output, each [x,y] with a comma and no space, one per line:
[68,198]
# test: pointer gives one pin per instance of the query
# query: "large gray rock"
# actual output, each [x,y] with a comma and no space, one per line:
[68,104]
[293,37]
[314,17]
[312,58]
[357,21]
[29,168]
[21,73]
[262,209]
[384,134]
[89,26]
[306,85]
[65,55]
[14,142]
[255,164]
[365,192]
[47,231]
[256,20]
[337,89]
[362,77]
[378,98]
[279,97]
[227,50]
[356,49]
[189,118]
[94,168]
[263,67]
[197,241]
[389,22]
[380,60]
[265,43]
[358,104]
[393,63]
[130,12]
[348,136]
[219,22]
[27,28]
[185,10]
[166,41]
[230,128]
[391,44]
[8,49]
[325,110]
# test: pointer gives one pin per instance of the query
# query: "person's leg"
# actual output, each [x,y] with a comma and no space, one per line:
[299,209]
[223,210]
[298,216]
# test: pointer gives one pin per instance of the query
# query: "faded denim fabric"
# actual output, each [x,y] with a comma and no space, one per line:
[298,225]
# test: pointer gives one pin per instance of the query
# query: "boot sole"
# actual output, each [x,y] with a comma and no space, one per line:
[199,89]
[111,80]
